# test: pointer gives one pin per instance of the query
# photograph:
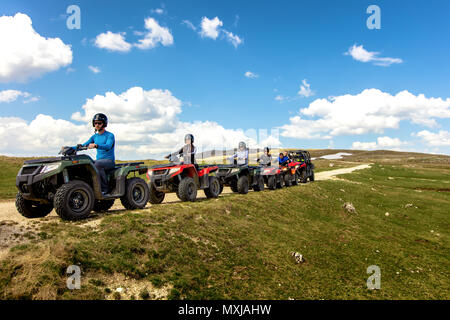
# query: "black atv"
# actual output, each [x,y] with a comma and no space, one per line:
[240,178]
[304,168]
[71,185]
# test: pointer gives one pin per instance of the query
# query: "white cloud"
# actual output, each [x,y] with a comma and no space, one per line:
[369,111]
[25,54]
[442,138]
[112,41]
[305,89]
[234,39]
[155,34]
[158,11]
[189,24]
[381,143]
[360,54]
[251,75]
[94,69]
[280,98]
[10,95]
[210,27]
[144,122]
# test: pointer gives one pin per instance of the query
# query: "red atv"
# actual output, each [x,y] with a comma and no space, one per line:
[272,176]
[304,167]
[184,179]
[289,174]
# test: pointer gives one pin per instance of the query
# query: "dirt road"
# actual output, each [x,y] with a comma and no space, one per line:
[327,175]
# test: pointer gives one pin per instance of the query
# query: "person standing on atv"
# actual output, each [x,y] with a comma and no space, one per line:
[104,142]
[188,150]
[241,156]
[266,158]
[283,159]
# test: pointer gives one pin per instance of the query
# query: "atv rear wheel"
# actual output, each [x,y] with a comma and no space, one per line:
[103,205]
[187,190]
[272,182]
[155,196]
[74,200]
[260,185]
[213,190]
[136,194]
[311,177]
[280,184]
[242,185]
[32,209]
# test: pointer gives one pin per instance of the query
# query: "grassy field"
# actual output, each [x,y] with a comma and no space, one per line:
[239,246]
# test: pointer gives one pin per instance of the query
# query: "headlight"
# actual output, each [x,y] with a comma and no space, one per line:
[174,170]
[49,168]
[284,169]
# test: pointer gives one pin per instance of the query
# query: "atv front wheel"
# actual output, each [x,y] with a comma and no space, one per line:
[32,209]
[187,190]
[74,200]
[233,185]
[280,184]
[303,177]
[103,205]
[311,177]
[155,196]
[242,185]
[136,194]
[287,180]
[260,185]
[295,181]
[272,182]
[213,190]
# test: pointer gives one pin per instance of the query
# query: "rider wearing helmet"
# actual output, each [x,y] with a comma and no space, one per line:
[104,142]
[241,156]
[188,150]
[266,158]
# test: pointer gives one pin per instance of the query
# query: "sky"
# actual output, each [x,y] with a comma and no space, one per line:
[289,74]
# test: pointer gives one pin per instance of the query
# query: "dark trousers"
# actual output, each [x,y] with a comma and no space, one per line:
[102,165]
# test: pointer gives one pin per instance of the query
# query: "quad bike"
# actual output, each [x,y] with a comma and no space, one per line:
[304,167]
[289,175]
[71,185]
[240,178]
[272,176]
[184,179]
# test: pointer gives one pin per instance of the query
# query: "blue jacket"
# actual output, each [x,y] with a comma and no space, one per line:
[105,143]
[283,160]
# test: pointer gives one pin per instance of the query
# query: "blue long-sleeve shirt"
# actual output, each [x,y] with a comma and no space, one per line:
[105,143]
[283,161]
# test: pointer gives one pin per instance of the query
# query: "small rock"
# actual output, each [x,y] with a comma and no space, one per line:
[349,207]
[432,231]
[342,190]
[408,205]
[331,164]
[298,257]
[119,290]
[387,214]
[390,178]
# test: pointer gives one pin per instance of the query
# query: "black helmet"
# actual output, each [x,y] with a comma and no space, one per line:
[189,136]
[242,144]
[267,149]
[100,117]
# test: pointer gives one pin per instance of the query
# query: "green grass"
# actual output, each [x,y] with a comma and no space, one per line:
[238,247]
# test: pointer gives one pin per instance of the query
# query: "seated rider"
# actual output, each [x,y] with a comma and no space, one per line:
[283,159]
[188,151]
[241,156]
[104,142]
[266,158]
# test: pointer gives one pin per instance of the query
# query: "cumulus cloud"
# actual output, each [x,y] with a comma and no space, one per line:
[144,122]
[112,41]
[381,143]
[94,69]
[25,54]
[442,138]
[155,34]
[251,75]
[210,27]
[369,111]
[360,54]
[8,96]
[305,89]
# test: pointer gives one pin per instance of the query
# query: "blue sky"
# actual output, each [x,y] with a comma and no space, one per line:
[283,43]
